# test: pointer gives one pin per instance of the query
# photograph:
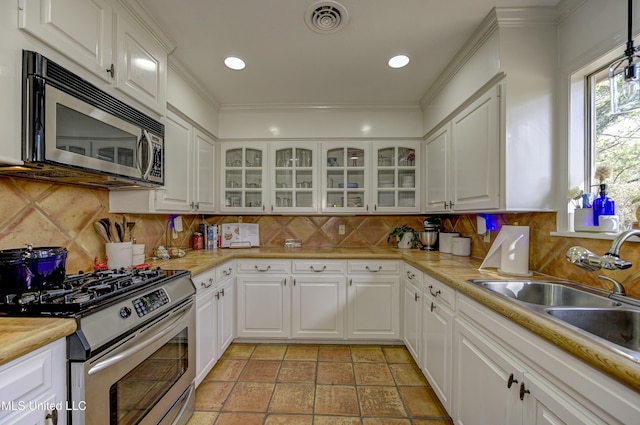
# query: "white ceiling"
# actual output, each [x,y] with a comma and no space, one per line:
[287,63]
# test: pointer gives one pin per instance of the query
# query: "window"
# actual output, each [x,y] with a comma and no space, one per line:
[612,140]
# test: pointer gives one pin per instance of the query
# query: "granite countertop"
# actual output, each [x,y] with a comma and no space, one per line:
[21,335]
[455,271]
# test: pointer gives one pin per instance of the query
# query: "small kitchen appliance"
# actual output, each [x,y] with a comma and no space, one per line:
[429,238]
[132,357]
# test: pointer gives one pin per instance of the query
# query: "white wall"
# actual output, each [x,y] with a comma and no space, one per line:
[320,122]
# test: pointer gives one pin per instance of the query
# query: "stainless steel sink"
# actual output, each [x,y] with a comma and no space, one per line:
[619,326]
[549,293]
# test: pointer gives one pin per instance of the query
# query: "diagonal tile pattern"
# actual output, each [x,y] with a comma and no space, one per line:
[308,384]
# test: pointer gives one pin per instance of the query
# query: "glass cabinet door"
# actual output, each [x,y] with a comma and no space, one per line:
[294,180]
[243,178]
[345,177]
[396,178]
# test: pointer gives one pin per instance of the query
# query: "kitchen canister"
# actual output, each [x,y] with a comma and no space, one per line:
[446,241]
[137,254]
[119,254]
[461,246]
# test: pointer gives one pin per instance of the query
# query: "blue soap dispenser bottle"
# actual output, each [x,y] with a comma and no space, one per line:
[603,205]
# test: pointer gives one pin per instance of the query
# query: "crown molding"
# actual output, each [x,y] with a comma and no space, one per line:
[290,107]
[182,72]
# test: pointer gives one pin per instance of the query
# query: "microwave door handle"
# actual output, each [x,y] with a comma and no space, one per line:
[145,137]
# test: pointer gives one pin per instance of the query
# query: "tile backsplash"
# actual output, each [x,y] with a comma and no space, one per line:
[47,214]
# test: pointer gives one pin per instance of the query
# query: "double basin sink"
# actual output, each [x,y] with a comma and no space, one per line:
[586,310]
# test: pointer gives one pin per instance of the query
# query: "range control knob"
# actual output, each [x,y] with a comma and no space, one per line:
[125,312]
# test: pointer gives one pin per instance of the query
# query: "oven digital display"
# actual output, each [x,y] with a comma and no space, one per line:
[150,302]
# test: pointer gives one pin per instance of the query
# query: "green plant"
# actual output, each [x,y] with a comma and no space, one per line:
[398,233]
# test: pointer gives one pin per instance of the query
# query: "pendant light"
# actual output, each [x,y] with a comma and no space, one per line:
[624,76]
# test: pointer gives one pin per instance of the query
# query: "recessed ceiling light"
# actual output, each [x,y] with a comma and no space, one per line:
[399,61]
[234,63]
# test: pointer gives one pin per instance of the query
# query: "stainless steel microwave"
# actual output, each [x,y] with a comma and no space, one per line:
[73,132]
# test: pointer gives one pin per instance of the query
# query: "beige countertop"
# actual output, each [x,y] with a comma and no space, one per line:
[21,335]
[455,271]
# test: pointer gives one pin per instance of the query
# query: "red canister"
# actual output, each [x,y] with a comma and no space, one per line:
[197,241]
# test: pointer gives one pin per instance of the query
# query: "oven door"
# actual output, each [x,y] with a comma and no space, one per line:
[82,135]
[145,379]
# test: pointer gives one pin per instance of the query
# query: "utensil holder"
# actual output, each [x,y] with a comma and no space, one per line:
[119,254]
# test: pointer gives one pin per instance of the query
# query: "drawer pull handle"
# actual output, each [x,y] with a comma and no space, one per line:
[523,391]
[227,272]
[433,294]
[204,285]
[318,271]
[373,271]
[512,381]
[262,270]
[410,275]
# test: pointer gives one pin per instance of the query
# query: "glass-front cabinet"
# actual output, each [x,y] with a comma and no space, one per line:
[345,177]
[294,182]
[396,177]
[243,177]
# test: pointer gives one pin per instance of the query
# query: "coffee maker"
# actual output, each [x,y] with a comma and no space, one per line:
[429,238]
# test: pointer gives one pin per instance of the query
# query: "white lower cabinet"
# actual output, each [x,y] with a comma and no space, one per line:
[373,300]
[33,388]
[412,311]
[225,296]
[504,375]
[318,299]
[206,324]
[438,306]
[264,299]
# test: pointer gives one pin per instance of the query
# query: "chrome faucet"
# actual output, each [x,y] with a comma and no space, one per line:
[589,261]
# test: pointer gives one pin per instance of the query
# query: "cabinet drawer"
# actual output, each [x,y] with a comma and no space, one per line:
[204,281]
[439,291]
[224,271]
[371,266]
[260,266]
[326,266]
[413,275]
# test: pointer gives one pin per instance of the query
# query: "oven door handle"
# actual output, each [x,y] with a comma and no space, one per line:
[112,360]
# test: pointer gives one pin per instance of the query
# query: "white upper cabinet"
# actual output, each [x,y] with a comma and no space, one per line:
[104,39]
[294,178]
[437,166]
[396,177]
[243,177]
[345,177]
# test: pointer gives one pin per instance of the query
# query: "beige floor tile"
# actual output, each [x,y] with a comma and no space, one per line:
[202,418]
[269,352]
[334,353]
[422,402]
[238,351]
[249,397]
[227,418]
[336,400]
[385,421]
[302,352]
[297,371]
[335,373]
[289,420]
[372,374]
[397,354]
[381,401]
[211,395]
[336,420]
[292,398]
[408,374]
[367,353]
[447,421]
[260,371]
[226,370]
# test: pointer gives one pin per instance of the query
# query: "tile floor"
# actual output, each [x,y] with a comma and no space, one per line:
[268,384]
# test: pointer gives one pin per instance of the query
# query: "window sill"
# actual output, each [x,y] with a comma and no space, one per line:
[593,235]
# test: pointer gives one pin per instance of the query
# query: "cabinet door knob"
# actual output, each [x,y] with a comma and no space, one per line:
[523,391]
[350,282]
[416,296]
[284,281]
[512,381]
[111,71]
[217,295]
[433,306]
[222,291]
[53,416]
[445,204]
[450,205]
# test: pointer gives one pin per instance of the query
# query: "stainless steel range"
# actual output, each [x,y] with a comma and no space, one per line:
[132,358]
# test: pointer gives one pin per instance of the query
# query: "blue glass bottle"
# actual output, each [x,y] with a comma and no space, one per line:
[603,205]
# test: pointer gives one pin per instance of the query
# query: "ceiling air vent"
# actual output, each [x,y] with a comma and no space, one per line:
[326,17]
